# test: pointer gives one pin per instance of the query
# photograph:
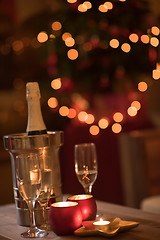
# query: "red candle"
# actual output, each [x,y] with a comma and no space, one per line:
[64,217]
[87,205]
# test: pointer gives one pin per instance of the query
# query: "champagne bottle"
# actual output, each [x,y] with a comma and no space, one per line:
[35,125]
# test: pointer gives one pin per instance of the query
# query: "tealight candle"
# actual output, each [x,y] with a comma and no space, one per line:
[87,205]
[64,217]
[101,223]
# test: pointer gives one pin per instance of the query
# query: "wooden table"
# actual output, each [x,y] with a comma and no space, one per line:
[148,229]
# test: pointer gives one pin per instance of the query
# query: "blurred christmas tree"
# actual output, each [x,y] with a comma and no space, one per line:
[108,52]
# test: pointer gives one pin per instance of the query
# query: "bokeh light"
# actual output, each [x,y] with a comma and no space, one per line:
[52,102]
[66,35]
[72,54]
[94,130]
[103,123]
[118,117]
[82,8]
[56,26]
[102,8]
[125,47]
[88,4]
[155,30]
[82,116]
[90,118]
[56,83]
[136,104]
[109,5]
[42,37]
[63,111]
[156,74]
[154,41]
[132,111]
[133,37]
[72,113]
[114,43]
[142,86]
[69,42]
[116,128]
[145,39]
[17,45]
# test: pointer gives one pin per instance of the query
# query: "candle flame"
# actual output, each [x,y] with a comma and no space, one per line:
[80,197]
[64,204]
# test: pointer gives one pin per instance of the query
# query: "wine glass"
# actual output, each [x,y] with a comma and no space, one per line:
[86,165]
[28,175]
[46,186]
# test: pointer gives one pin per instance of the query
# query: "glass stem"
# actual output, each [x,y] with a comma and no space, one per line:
[44,214]
[31,206]
[88,190]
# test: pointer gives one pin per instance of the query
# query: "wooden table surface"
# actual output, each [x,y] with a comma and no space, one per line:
[148,229]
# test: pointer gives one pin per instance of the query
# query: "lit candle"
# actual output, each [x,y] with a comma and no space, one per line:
[64,217]
[101,223]
[87,205]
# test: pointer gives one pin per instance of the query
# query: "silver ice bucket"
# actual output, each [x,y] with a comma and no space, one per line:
[21,143]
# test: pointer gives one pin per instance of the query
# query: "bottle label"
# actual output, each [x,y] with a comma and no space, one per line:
[40,132]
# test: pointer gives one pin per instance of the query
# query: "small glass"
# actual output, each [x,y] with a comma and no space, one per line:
[86,165]
[28,175]
[46,187]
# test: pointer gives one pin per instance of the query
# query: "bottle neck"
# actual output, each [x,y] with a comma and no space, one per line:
[35,123]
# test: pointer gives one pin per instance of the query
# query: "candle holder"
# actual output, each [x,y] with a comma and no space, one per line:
[87,205]
[64,217]
[107,227]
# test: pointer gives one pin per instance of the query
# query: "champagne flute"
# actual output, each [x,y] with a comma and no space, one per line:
[46,187]
[86,165]
[28,175]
